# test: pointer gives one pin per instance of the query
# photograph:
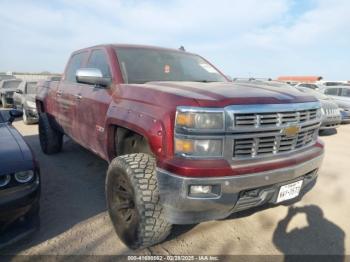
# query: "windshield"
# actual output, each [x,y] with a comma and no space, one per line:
[141,65]
[11,84]
[31,87]
[335,84]
[316,94]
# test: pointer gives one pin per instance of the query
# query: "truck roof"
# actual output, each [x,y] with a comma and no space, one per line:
[133,46]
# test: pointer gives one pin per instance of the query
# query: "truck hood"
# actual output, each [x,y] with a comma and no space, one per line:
[14,152]
[227,93]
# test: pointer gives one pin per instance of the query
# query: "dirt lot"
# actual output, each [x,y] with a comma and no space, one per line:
[74,218]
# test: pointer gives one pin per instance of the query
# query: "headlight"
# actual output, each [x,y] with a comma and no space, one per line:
[200,120]
[4,180]
[199,147]
[31,104]
[24,176]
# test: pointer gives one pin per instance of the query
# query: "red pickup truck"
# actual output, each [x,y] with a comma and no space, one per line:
[184,143]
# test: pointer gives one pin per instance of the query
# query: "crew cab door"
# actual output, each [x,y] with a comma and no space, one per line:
[92,109]
[69,95]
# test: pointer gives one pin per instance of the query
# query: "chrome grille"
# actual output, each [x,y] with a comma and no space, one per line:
[246,120]
[331,111]
[261,144]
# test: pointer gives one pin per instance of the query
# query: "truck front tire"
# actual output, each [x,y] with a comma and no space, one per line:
[133,201]
[51,140]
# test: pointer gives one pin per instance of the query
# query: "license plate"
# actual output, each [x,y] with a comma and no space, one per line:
[289,191]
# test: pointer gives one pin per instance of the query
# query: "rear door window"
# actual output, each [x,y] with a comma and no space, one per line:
[98,59]
[74,64]
[345,92]
[332,91]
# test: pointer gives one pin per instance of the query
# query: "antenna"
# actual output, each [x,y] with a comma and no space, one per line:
[182,48]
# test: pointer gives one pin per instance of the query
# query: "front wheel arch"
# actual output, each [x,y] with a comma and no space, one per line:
[127,141]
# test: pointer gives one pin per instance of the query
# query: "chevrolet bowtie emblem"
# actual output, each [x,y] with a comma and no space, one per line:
[291,131]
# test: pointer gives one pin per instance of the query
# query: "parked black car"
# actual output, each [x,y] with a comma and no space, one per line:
[19,184]
[7,88]
[24,100]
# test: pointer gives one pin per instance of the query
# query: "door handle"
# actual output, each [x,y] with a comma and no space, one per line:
[78,97]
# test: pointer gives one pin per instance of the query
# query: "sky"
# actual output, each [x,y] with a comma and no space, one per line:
[243,38]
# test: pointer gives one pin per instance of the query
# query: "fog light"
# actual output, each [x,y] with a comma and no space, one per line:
[24,176]
[200,190]
[4,180]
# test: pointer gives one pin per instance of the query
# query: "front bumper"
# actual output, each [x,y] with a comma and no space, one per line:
[32,114]
[16,202]
[330,122]
[234,193]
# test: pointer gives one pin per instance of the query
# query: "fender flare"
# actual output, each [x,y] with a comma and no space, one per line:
[150,127]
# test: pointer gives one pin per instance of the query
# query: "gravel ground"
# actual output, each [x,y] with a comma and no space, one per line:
[74,218]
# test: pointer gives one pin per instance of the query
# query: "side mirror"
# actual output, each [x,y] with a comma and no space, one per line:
[14,113]
[229,78]
[19,91]
[92,76]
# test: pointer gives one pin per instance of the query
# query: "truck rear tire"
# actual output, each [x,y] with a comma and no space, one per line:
[133,201]
[51,140]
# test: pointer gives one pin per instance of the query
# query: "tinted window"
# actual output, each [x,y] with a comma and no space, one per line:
[141,65]
[313,86]
[11,84]
[98,59]
[4,77]
[345,92]
[309,86]
[55,78]
[331,91]
[31,87]
[74,64]
[332,84]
